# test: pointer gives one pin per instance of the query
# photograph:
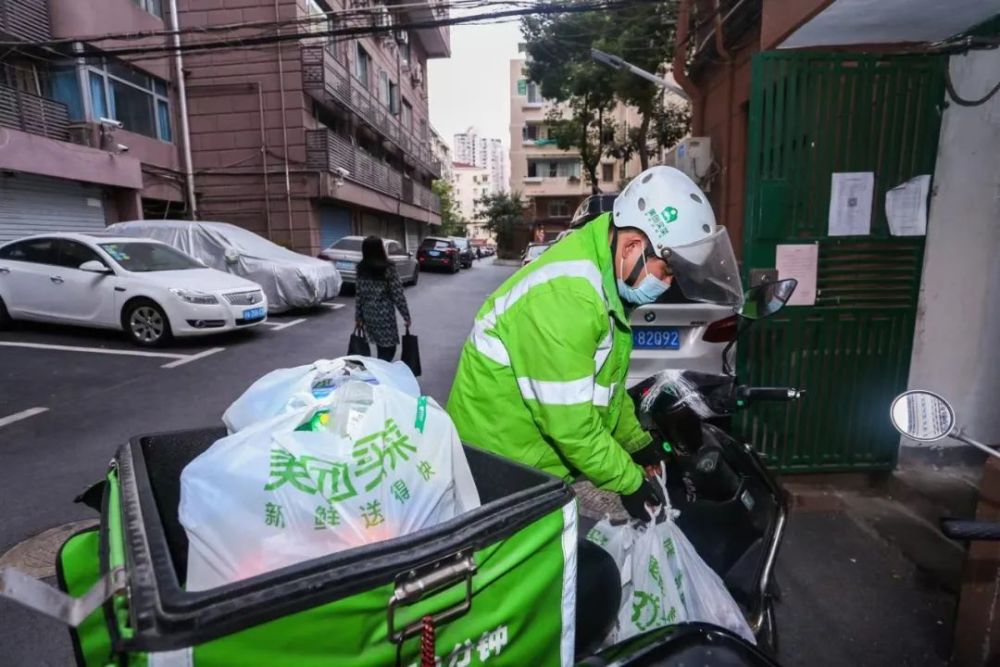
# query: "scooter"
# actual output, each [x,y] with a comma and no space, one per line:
[732,507]
[926,417]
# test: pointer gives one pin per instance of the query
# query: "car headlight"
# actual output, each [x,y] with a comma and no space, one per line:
[192,296]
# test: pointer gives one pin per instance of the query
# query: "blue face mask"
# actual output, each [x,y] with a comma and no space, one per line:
[649,290]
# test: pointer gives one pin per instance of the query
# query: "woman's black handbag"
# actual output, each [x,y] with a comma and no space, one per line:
[411,352]
[359,344]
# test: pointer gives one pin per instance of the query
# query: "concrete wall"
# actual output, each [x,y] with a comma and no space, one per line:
[956,350]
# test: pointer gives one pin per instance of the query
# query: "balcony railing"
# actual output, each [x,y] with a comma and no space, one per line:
[30,113]
[25,19]
[328,151]
[323,76]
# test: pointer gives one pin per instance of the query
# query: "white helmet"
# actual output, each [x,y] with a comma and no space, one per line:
[673,212]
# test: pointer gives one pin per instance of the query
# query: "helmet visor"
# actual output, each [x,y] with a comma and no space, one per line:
[706,270]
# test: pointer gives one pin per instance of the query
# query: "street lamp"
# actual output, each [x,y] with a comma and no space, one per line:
[618,63]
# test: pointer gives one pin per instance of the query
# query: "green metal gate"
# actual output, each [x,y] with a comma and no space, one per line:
[811,115]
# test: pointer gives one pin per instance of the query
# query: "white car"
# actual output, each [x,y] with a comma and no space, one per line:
[149,289]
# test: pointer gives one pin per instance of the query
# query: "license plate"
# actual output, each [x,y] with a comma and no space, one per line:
[656,338]
[251,314]
[344,265]
[433,253]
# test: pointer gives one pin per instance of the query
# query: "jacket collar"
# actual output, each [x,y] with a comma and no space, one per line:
[597,231]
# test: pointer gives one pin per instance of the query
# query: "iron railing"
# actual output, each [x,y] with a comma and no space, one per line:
[20,110]
[327,151]
[325,77]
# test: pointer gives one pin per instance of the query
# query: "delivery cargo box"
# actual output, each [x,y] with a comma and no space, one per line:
[496,583]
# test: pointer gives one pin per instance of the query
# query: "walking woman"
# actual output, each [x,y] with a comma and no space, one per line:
[379,292]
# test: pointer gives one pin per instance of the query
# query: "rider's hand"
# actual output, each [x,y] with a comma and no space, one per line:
[651,455]
[635,502]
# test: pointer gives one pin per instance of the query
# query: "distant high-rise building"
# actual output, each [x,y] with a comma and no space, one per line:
[485,153]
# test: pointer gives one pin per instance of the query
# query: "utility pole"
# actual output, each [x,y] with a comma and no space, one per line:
[618,63]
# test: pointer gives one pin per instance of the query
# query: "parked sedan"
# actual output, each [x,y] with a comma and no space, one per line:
[289,280]
[466,254]
[533,252]
[149,289]
[439,252]
[346,253]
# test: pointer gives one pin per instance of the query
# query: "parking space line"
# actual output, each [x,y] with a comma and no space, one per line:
[188,358]
[18,416]
[94,350]
[284,325]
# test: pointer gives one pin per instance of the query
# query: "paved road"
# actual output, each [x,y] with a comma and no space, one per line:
[97,400]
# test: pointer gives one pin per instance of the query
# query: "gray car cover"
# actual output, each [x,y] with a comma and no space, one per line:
[289,279]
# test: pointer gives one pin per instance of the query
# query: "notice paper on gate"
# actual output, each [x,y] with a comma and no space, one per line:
[799,261]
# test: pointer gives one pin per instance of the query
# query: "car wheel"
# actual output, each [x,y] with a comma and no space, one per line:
[5,320]
[146,324]
[416,275]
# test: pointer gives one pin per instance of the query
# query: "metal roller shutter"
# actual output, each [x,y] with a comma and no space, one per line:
[334,224]
[413,235]
[32,204]
[394,230]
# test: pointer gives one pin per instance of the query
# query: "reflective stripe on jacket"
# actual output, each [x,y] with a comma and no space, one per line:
[541,377]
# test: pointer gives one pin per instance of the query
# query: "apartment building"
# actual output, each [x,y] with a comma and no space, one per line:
[441,152]
[485,152]
[303,141]
[550,179]
[84,141]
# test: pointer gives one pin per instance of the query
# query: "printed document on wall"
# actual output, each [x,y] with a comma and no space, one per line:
[799,261]
[851,203]
[906,207]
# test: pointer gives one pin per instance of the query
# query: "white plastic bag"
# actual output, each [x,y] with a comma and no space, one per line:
[664,580]
[271,395]
[383,464]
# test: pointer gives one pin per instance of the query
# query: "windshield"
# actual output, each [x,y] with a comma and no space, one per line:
[353,245]
[435,244]
[535,251]
[141,257]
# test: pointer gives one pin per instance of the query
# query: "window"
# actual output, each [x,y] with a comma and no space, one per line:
[154,7]
[352,244]
[73,254]
[553,169]
[36,251]
[142,257]
[534,94]
[558,208]
[383,87]
[64,86]
[362,64]
[394,249]
[407,117]
[393,98]
[607,172]
[403,39]
[139,101]
[529,132]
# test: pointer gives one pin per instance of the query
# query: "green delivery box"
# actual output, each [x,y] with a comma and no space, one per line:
[492,586]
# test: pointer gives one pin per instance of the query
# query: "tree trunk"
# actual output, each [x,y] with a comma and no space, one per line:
[643,141]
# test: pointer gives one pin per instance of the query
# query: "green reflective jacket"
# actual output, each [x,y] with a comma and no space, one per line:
[541,377]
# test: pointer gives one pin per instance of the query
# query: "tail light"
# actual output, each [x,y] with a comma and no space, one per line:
[722,331]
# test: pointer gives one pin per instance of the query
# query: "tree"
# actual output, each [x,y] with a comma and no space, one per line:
[452,222]
[501,212]
[671,123]
[560,63]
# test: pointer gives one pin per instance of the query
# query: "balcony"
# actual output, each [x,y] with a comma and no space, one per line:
[537,186]
[329,152]
[33,114]
[436,40]
[26,20]
[326,79]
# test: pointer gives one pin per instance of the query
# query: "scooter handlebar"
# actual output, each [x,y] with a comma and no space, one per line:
[964,529]
[768,393]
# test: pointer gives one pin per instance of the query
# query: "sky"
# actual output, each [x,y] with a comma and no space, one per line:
[471,87]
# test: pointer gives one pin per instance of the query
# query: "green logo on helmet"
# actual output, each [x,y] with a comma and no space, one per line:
[669,214]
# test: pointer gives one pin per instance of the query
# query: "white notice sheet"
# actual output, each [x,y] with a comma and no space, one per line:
[851,203]
[799,262]
[906,207]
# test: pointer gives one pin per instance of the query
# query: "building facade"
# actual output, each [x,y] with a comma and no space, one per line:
[487,153]
[442,153]
[303,140]
[551,179]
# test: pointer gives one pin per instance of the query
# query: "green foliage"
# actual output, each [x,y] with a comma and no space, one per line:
[452,223]
[500,213]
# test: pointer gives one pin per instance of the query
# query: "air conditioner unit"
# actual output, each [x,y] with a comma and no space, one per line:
[403,36]
[417,75]
[693,156]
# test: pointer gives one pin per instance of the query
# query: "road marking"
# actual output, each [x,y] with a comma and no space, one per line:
[18,416]
[285,325]
[94,350]
[188,358]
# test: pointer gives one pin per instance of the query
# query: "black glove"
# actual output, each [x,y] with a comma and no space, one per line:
[635,502]
[650,455]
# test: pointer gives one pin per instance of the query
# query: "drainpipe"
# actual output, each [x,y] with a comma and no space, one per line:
[263,159]
[679,68]
[182,99]
[284,124]
[720,47]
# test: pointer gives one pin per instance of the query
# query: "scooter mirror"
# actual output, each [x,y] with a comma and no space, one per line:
[922,416]
[765,300]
